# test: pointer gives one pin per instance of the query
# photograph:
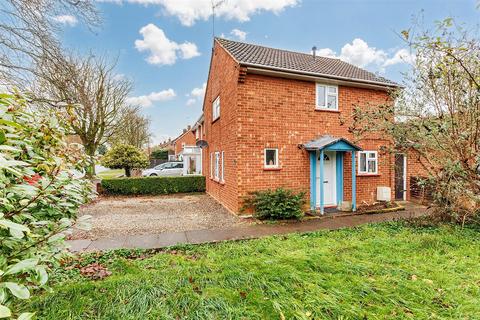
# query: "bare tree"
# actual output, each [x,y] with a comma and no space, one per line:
[438,116]
[28,33]
[92,94]
[134,129]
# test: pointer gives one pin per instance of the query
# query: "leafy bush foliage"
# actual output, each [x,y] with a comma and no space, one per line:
[161,154]
[39,198]
[154,185]
[276,204]
[435,114]
[124,156]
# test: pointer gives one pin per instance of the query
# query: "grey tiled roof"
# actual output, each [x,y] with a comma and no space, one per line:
[325,141]
[298,62]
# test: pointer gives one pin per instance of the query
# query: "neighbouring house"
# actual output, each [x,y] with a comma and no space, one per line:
[187,151]
[186,138]
[275,118]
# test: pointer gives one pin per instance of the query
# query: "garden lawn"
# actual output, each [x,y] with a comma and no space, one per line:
[111,173]
[384,271]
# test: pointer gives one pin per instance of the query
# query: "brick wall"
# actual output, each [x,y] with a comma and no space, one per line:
[221,134]
[280,113]
[187,138]
[265,112]
[415,168]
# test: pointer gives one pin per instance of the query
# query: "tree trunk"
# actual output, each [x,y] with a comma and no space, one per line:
[90,168]
[127,172]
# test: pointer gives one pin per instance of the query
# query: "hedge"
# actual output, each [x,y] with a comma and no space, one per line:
[153,185]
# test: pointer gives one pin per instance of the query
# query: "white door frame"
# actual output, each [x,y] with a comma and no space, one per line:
[333,185]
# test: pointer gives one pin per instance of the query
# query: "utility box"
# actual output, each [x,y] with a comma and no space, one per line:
[384,194]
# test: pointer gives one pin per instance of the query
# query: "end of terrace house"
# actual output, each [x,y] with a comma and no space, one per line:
[276,118]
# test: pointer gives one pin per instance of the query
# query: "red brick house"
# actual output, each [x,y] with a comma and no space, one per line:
[274,118]
[186,139]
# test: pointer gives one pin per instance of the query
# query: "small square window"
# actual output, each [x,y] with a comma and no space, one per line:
[367,162]
[327,97]
[271,158]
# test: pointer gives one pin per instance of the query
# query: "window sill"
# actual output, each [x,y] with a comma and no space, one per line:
[272,169]
[215,120]
[217,181]
[327,110]
[368,175]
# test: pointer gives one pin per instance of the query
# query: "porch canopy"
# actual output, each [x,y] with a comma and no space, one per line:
[317,148]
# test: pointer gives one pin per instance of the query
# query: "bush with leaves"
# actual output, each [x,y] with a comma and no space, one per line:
[40,193]
[124,156]
[437,116]
[276,204]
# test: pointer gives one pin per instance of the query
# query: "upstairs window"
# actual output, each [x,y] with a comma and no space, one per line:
[271,158]
[216,109]
[327,97]
[367,162]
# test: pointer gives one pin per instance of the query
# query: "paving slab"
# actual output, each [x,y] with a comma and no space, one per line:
[166,239]
[107,244]
[79,245]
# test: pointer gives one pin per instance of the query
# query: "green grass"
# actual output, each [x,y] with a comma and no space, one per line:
[111,173]
[385,271]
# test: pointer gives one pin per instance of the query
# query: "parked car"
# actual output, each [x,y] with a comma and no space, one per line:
[165,169]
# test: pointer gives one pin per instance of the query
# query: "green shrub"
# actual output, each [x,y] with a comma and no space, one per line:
[161,154]
[276,204]
[154,185]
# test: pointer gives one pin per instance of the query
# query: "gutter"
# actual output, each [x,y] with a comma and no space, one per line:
[313,75]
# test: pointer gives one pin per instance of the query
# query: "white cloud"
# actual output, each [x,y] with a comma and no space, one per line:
[241,35]
[401,56]
[359,53]
[197,94]
[326,52]
[190,11]
[191,102]
[148,100]
[66,20]
[163,51]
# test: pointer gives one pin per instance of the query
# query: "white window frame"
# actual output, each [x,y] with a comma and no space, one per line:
[216,174]
[216,108]
[222,177]
[327,94]
[367,159]
[266,165]
[211,164]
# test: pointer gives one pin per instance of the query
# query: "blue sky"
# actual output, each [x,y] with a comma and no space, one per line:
[164,46]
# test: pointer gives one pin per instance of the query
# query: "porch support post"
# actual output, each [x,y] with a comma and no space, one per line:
[354,184]
[321,184]
[313,176]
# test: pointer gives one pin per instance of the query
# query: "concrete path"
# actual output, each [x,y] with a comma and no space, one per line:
[166,239]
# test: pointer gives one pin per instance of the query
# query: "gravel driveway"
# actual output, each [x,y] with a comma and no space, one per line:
[114,216]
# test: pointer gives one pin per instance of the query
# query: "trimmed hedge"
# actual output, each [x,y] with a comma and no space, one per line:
[154,185]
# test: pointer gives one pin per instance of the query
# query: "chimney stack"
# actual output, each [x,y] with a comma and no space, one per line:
[189,127]
[314,51]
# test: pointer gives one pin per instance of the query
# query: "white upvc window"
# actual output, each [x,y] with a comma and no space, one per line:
[326,97]
[216,109]
[222,176]
[217,166]
[271,158]
[367,162]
